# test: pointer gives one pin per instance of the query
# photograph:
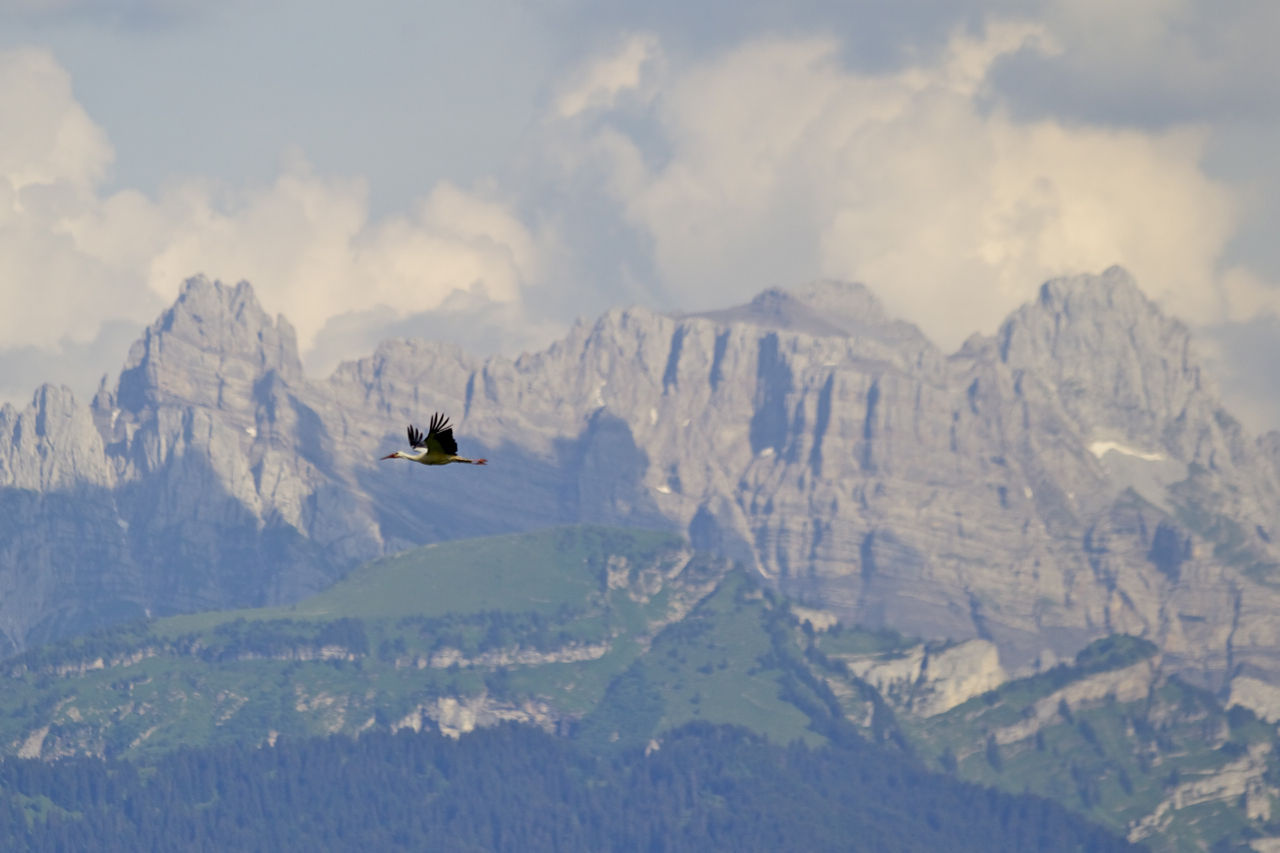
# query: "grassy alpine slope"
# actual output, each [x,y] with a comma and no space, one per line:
[1115,739]
[528,627]
[619,637]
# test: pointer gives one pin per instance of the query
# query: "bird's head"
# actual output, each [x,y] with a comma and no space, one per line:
[396,455]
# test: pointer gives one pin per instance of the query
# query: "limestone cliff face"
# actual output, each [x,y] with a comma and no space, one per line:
[926,682]
[199,480]
[1072,476]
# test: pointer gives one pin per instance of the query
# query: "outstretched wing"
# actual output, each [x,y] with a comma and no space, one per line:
[415,438]
[440,436]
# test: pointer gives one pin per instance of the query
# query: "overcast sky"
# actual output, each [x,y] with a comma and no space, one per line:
[487,171]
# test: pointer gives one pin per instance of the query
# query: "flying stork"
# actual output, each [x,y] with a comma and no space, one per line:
[437,447]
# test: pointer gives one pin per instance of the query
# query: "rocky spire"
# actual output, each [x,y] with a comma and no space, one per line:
[1120,365]
[822,309]
[807,433]
[209,349]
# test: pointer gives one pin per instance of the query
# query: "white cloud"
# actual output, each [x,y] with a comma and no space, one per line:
[309,248]
[1144,62]
[72,257]
[599,83]
[46,138]
[763,165]
[1153,61]
[51,158]
[477,324]
[782,163]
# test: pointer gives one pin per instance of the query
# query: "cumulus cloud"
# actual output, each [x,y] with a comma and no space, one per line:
[79,365]
[780,162]
[598,84]
[52,156]
[469,320]
[307,244]
[73,257]
[1152,62]
[1146,62]
[683,179]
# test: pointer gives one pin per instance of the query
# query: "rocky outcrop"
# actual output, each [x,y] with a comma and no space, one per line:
[1244,781]
[1258,696]
[926,682]
[1124,685]
[1070,477]
[501,658]
[197,481]
[956,675]
[456,716]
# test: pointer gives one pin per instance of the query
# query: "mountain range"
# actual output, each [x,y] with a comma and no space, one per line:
[1072,477]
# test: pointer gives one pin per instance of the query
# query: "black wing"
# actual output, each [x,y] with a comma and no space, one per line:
[415,437]
[443,433]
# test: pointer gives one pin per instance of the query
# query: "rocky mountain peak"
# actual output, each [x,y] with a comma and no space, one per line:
[1070,477]
[209,349]
[51,444]
[821,309]
[1119,364]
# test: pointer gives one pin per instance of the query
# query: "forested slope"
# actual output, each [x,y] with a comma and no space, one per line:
[516,789]
[615,638]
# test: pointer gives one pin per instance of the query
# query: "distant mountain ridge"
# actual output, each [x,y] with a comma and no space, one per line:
[1073,476]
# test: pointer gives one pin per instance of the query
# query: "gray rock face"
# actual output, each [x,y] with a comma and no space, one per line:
[1073,476]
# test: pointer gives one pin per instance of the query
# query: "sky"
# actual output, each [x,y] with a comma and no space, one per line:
[487,172]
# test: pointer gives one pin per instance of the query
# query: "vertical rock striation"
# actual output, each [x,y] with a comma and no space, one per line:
[1072,476]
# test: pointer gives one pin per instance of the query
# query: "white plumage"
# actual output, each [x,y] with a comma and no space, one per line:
[437,447]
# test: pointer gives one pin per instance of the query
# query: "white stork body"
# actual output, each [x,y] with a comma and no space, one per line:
[437,447]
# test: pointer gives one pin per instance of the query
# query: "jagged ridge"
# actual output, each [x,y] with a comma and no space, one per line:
[1073,476]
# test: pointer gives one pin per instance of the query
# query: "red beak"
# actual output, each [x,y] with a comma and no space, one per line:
[392,456]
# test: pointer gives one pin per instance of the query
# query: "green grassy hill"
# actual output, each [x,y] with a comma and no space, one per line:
[1117,740]
[538,572]
[530,627]
[621,634]
[618,637]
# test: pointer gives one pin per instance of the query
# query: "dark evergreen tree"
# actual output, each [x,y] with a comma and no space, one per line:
[515,789]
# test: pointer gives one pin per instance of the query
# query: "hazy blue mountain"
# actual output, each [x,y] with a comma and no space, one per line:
[1071,477]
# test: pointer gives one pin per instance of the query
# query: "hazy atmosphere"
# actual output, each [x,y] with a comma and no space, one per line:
[486,172]
[707,426]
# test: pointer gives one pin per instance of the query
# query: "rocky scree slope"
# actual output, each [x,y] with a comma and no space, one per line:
[1072,477]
